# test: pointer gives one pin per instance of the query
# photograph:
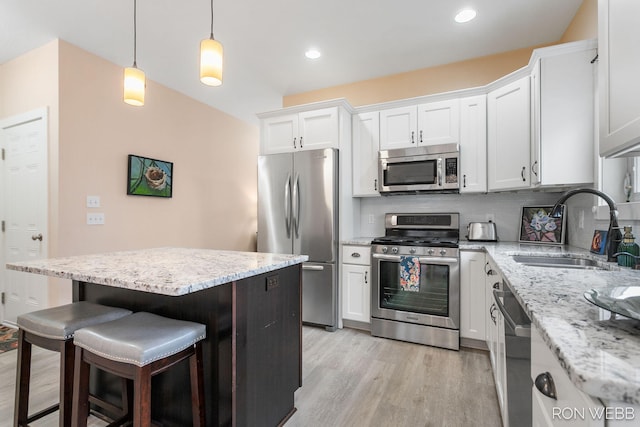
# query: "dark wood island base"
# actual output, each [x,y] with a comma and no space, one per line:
[252,352]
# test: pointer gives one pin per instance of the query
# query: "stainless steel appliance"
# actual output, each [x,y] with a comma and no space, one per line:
[482,231]
[517,338]
[297,213]
[430,313]
[418,169]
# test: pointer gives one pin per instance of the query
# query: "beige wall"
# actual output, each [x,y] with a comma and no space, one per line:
[214,156]
[459,75]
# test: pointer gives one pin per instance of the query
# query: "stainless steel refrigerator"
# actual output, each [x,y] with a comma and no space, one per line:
[297,214]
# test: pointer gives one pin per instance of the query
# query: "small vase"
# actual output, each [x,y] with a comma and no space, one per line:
[628,245]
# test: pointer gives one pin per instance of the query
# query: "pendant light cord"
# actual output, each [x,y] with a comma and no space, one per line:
[135,32]
[211,19]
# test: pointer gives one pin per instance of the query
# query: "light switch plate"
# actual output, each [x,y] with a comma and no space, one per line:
[93,201]
[95,219]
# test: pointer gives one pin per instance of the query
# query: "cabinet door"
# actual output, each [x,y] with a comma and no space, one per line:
[356,292]
[618,71]
[319,129]
[472,295]
[473,144]
[366,143]
[398,127]
[509,136]
[439,122]
[279,134]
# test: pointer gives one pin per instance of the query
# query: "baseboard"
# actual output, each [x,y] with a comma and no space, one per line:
[354,324]
[473,343]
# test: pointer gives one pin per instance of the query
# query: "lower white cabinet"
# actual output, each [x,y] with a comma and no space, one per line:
[472,295]
[356,283]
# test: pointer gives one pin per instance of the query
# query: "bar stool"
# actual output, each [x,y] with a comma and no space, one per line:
[137,347]
[53,329]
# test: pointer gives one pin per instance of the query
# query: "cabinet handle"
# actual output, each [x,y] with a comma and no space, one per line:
[533,168]
[413,134]
[522,173]
[365,277]
[464,181]
[37,237]
[544,383]
[355,255]
[375,184]
[294,142]
[492,310]
[301,142]
[489,271]
[496,285]
[420,136]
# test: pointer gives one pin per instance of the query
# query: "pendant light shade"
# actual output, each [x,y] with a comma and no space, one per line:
[134,79]
[211,59]
[134,85]
[211,62]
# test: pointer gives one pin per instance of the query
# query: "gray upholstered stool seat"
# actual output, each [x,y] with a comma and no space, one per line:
[136,347]
[53,329]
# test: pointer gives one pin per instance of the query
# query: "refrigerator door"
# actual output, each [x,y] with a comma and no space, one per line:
[314,202]
[318,295]
[275,176]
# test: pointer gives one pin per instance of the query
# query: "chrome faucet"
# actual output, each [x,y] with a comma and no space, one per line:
[613,235]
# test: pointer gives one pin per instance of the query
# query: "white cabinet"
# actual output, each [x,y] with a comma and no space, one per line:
[495,336]
[472,295]
[426,124]
[356,283]
[306,130]
[563,114]
[366,143]
[618,71]
[546,411]
[509,136]
[473,144]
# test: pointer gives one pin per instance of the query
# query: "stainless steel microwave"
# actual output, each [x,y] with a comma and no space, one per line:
[420,169]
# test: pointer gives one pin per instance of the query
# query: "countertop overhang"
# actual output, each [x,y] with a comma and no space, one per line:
[600,353]
[167,271]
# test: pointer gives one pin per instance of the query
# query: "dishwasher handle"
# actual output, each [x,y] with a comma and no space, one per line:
[519,330]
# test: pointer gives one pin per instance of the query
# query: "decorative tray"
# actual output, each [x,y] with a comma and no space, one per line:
[624,300]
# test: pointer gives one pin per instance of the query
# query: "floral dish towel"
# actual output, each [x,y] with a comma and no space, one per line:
[410,273]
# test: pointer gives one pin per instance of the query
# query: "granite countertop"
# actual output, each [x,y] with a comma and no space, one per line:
[167,271]
[601,355]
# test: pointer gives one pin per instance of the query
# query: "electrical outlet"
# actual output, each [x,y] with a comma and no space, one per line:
[95,219]
[581,219]
[372,219]
[93,201]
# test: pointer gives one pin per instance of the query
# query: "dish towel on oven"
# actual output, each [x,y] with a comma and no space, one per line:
[410,273]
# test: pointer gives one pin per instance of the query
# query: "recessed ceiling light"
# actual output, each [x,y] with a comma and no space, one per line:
[312,54]
[465,15]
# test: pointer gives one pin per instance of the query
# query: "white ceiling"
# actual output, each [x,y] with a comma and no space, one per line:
[265,40]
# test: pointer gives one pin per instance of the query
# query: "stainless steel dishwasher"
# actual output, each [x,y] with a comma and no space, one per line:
[517,337]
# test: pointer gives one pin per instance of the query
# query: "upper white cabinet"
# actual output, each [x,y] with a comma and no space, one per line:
[618,82]
[563,113]
[473,144]
[366,143]
[425,124]
[509,135]
[306,130]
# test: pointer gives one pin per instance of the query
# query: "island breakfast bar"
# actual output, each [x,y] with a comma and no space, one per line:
[250,303]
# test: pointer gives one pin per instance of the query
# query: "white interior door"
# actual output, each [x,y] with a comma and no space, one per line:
[24,200]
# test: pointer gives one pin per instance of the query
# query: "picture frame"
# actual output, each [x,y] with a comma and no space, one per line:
[599,242]
[536,226]
[149,177]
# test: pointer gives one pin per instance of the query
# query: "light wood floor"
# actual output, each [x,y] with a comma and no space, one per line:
[349,379]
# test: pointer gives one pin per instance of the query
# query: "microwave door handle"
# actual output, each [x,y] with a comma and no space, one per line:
[287,205]
[439,171]
[296,206]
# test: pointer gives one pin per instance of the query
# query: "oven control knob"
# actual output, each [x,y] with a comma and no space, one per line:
[412,251]
[384,249]
[443,252]
[394,250]
[430,251]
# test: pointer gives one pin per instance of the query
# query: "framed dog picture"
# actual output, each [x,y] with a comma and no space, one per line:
[537,226]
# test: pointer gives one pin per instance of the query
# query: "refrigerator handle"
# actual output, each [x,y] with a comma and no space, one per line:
[287,205]
[296,206]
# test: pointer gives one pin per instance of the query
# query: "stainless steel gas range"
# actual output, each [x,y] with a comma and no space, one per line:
[416,279]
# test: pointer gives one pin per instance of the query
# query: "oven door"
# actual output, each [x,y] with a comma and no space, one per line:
[436,303]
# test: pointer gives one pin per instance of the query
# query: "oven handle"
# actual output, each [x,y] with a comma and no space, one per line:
[519,330]
[423,260]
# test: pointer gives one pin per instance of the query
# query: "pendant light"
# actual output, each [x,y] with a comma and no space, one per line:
[211,59]
[134,79]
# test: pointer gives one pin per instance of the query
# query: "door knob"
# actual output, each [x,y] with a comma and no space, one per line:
[37,237]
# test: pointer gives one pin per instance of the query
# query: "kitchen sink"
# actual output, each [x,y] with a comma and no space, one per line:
[560,262]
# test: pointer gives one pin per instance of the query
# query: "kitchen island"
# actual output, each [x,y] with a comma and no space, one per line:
[250,303]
